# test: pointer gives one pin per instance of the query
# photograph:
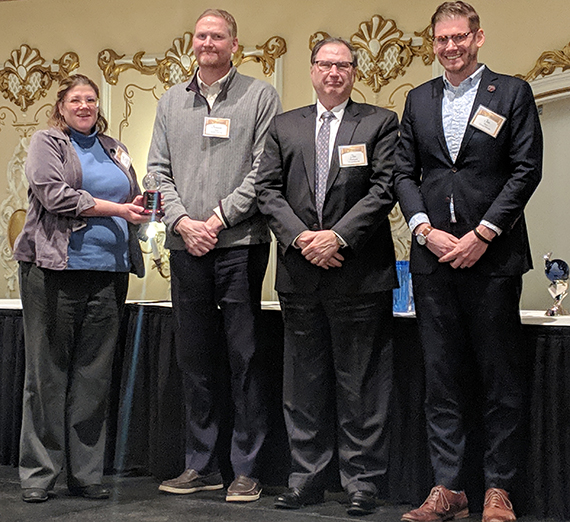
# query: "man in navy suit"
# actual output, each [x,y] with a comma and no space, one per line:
[468,160]
[325,184]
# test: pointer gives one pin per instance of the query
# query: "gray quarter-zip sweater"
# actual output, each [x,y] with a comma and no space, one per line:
[199,173]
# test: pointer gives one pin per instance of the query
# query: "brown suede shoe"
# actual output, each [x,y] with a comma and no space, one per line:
[191,481]
[498,507]
[441,504]
[243,489]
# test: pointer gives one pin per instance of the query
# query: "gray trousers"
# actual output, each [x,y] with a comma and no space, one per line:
[71,323]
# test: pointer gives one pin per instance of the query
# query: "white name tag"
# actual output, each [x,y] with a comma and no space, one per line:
[488,121]
[123,158]
[216,127]
[352,155]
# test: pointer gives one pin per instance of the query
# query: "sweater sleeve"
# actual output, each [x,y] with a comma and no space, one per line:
[241,204]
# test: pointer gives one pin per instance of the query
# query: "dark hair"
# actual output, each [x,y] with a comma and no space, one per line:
[220,13]
[454,10]
[332,40]
[57,120]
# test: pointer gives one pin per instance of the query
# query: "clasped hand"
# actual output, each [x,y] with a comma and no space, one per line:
[461,252]
[199,236]
[320,248]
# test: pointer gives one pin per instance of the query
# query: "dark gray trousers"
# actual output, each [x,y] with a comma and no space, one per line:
[338,371]
[469,325]
[71,323]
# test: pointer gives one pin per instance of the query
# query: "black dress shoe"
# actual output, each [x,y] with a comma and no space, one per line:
[34,495]
[93,492]
[295,498]
[361,503]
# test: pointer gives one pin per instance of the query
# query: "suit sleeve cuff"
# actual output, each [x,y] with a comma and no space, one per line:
[494,228]
[342,243]
[420,217]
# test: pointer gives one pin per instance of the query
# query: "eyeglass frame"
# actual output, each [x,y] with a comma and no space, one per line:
[340,66]
[76,103]
[443,41]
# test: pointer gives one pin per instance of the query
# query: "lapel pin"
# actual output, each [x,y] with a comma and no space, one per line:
[491,88]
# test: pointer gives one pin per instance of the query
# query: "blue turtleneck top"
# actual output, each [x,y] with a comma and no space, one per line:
[103,243]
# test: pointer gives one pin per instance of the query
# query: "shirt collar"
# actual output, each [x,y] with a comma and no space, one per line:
[338,111]
[469,82]
[215,87]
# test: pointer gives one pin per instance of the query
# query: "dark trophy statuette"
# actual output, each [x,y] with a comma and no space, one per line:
[557,273]
[152,198]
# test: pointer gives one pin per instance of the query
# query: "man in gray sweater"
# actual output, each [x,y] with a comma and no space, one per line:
[207,140]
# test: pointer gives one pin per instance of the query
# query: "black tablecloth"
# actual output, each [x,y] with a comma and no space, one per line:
[146,418]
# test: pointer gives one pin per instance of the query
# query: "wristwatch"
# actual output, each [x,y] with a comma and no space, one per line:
[421,237]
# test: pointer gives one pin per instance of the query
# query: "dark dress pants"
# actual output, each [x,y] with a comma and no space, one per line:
[469,324]
[337,386]
[217,305]
[71,324]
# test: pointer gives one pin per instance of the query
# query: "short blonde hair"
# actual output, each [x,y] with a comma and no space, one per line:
[455,10]
[220,13]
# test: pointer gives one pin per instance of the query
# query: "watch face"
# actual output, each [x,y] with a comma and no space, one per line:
[421,239]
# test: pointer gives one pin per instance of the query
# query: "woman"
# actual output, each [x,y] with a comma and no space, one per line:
[76,250]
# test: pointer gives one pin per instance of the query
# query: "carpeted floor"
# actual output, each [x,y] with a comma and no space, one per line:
[137,499]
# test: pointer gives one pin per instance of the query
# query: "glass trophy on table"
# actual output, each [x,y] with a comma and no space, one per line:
[557,272]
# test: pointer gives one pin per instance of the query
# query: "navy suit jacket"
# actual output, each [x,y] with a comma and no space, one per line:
[358,199]
[491,179]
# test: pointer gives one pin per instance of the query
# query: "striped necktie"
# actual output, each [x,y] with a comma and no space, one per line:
[322,159]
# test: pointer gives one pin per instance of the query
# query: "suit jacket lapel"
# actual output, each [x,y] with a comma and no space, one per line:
[485,95]
[344,135]
[307,126]
[437,100]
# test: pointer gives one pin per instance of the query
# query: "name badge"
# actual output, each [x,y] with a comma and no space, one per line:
[488,121]
[352,155]
[216,127]
[123,158]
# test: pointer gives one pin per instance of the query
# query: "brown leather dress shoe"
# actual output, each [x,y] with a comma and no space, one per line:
[441,504]
[498,507]
[243,489]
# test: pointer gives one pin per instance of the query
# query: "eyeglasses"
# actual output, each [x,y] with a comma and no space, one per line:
[326,66]
[75,103]
[458,39]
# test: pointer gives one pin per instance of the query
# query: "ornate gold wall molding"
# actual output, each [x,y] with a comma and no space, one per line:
[548,62]
[178,63]
[384,53]
[26,77]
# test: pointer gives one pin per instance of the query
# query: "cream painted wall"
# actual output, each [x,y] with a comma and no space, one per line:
[548,213]
[516,36]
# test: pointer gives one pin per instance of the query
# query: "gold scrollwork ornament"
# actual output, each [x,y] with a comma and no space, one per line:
[26,78]
[179,62]
[383,53]
[548,62]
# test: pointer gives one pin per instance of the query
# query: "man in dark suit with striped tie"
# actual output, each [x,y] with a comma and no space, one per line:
[325,184]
